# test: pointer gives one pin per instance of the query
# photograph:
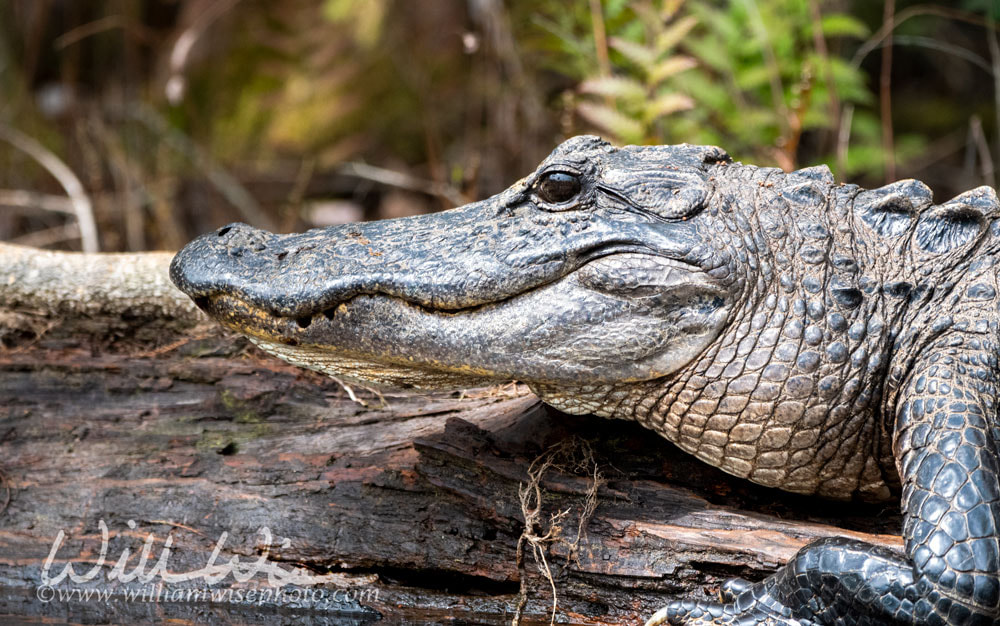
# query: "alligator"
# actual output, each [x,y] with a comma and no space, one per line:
[806,335]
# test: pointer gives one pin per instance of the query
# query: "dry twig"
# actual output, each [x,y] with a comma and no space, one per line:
[62,173]
[885,95]
[819,41]
[978,146]
[48,236]
[31,200]
[402,181]
[569,455]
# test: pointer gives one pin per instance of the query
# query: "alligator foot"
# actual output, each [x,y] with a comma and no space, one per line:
[741,603]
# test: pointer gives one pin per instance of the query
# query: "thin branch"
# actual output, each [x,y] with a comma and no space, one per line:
[831,86]
[942,46]
[771,64]
[885,95]
[991,39]
[401,180]
[883,38]
[32,200]
[844,137]
[106,23]
[49,236]
[600,37]
[38,16]
[978,139]
[128,181]
[176,84]
[82,206]
[885,31]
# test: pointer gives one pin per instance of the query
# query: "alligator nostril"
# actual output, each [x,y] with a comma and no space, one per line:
[303,322]
[330,313]
[224,230]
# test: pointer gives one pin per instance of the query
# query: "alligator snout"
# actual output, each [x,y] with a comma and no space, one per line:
[222,261]
[446,261]
[285,275]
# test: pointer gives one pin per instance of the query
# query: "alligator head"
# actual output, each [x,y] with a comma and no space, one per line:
[603,266]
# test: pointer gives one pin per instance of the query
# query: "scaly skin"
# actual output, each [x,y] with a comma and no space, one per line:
[809,336]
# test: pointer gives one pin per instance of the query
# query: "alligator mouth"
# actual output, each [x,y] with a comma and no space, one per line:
[243,315]
[310,341]
[389,341]
[437,304]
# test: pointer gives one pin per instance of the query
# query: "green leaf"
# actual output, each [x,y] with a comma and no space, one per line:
[850,82]
[726,25]
[675,33]
[711,51]
[605,118]
[817,116]
[637,53]
[670,8]
[865,160]
[614,8]
[753,77]
[646,12]
[910,146]
[841,25]
[866,126]
[667,104]
[670,67]
[367,18]
[710,94]
[616,87]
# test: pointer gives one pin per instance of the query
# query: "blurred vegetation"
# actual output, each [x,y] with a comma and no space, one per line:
[166,118]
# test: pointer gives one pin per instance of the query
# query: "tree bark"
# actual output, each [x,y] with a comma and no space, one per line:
[122,405]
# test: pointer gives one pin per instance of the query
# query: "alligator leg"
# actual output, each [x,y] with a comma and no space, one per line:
[947,446]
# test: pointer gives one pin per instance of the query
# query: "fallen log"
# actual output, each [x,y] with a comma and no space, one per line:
[128,419]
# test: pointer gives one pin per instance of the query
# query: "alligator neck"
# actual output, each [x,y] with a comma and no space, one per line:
[791,395]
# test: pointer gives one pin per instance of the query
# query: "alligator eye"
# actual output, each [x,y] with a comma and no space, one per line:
[558,187]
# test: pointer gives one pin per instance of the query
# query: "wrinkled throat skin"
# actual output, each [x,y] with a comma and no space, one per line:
[591,270]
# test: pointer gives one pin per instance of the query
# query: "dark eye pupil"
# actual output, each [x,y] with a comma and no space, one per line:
[557,187]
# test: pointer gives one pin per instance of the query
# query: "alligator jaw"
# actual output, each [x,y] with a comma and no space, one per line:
[387,341]
[379,373]
[301,342]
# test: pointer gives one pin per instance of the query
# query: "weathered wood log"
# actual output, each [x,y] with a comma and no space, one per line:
[121,405]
